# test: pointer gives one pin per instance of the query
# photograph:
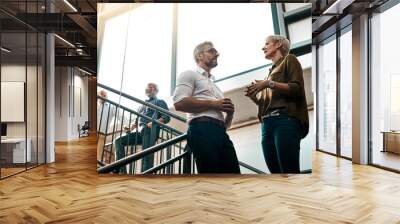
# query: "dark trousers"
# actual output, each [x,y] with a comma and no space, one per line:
[281,137]
[212,149]
[147,138]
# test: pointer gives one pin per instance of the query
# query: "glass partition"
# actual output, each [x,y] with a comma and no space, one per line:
[385,89]
[22,93]
[327,96]
[14,150]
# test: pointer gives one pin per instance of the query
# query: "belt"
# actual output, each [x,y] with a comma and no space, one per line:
[208,119]
[274,113]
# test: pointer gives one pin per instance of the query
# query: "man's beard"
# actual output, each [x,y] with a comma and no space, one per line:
[150,94]
[212,64]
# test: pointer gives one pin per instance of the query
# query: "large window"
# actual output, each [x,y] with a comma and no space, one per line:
[346,93]
[111,57]
[327,96]
[148,53]
[385,84]
[138,47]
[238,34]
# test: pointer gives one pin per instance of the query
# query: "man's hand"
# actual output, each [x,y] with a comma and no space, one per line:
[224,105]
[149,124]
[126,129]
[129,129]
[229,118]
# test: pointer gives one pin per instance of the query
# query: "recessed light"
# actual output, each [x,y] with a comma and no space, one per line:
[84,71]
[64,40]
[5,50]
[70,5]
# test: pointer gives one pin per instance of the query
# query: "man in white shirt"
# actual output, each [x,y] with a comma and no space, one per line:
[198,96]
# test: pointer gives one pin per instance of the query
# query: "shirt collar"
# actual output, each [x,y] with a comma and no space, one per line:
[151,98]
[276,64]
[205,73]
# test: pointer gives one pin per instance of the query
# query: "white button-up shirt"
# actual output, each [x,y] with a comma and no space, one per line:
[200,85]
[107,114]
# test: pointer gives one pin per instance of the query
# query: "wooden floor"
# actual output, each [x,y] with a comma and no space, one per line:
[387,159]
[10,171]
[70,191]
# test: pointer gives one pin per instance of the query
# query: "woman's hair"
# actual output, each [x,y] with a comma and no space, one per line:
[200,48]
[285,43]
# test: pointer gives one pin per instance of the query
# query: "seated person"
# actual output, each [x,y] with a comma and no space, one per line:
[144,135]
[105,115]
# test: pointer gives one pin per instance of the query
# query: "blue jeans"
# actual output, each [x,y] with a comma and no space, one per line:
[281,137]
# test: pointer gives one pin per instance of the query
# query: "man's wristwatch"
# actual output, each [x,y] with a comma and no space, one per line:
[271,84]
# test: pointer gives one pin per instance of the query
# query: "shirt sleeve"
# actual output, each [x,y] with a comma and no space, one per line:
[164,105]
[185,86]
[142,120]
[295,77]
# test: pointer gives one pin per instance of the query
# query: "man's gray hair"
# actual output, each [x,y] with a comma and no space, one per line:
[155,85]
[200,48]
[285,43]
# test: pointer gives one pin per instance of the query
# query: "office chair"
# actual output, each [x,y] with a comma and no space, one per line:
[84,130]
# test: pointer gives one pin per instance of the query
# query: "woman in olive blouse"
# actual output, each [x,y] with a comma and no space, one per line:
[282,107]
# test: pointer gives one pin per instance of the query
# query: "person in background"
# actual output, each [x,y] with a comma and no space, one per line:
[105,116]
[146,132]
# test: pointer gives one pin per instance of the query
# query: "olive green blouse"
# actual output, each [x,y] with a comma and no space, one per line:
[286,70]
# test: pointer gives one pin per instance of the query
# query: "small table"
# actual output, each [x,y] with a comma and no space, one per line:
[13,150]
[391,141]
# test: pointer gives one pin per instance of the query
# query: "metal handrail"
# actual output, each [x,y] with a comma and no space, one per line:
[157,108]
[251,168]
[132,158]
[166,163]
[139,114]
[242,73]
[100,163]
[155,148]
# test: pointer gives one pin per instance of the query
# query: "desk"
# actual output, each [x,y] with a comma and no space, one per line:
[391,141]
[13,150]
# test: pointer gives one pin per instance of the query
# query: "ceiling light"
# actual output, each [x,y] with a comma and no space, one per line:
[64,40]
[84,71]
[70,5]
[338,6]
[5,50]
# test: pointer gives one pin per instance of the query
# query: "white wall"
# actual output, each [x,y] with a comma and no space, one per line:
[34,124]
[246,110]
[16,73]
[71,102]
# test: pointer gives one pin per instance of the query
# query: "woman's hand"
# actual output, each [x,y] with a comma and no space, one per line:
[256,87]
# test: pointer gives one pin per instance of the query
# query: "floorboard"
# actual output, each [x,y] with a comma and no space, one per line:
[71,191]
